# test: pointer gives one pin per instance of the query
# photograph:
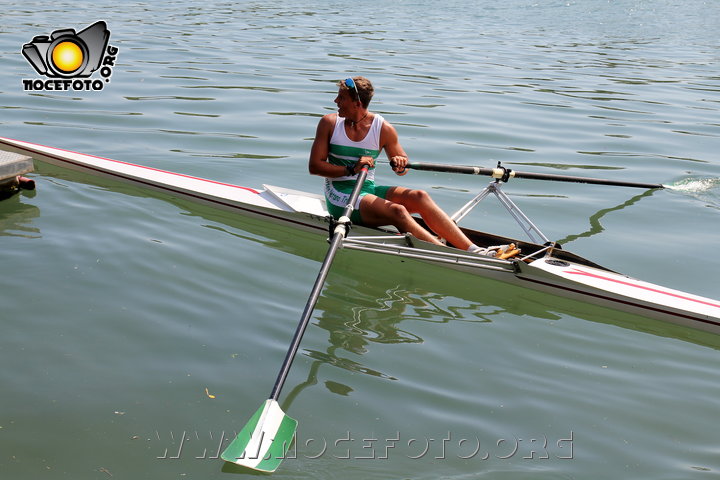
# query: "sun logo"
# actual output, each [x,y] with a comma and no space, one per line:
[67,56]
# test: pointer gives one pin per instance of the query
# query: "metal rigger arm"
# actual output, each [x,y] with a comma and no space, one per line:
[495,187]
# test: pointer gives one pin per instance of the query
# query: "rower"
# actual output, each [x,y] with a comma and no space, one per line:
[353,137]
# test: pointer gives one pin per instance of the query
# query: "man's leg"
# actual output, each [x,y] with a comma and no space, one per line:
[376,211]
[420,202]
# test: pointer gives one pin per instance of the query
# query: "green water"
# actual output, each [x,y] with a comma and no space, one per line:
[124,311]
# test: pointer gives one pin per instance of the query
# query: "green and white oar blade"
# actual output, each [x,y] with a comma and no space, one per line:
[264,441]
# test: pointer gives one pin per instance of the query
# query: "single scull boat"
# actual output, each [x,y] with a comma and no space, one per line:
[543,265]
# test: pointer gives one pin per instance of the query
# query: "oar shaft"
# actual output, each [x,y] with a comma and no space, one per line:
[499,172]
[438,167]
[335,242]
[594,181]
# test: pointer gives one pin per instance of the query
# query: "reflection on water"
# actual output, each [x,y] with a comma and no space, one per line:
[378,321]
[595,225]
[16,217]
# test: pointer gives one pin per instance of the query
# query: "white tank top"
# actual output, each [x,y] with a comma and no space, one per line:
[344,151]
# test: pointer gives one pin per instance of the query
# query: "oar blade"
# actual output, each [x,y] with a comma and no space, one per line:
[264,441]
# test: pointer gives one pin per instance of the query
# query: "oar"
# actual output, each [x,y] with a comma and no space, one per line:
[264,441]
[504,174]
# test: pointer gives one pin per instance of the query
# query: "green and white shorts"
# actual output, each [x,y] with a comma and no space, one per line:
[337,195]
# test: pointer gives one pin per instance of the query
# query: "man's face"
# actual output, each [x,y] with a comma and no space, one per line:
[346,105]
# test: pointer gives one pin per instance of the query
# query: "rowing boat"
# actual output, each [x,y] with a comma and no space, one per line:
[543,265]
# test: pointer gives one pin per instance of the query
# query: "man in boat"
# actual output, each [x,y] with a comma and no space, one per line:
[353,137]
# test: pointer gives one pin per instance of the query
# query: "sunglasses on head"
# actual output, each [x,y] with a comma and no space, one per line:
[350,83]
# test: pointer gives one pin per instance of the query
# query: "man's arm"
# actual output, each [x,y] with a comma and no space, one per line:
[318,164]
[390,141]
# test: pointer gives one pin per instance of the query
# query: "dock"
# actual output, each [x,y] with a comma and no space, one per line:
[12,168]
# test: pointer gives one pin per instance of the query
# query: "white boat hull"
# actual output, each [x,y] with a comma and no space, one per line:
[550,270]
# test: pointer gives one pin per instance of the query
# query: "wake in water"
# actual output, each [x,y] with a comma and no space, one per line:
[703,189]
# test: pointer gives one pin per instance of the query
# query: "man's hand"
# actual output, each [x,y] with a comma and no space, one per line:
[365,160]
[399,164]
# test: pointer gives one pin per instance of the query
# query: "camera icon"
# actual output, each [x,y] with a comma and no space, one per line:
[66,53]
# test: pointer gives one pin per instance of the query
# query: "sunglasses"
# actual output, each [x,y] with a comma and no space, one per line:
[350,83]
